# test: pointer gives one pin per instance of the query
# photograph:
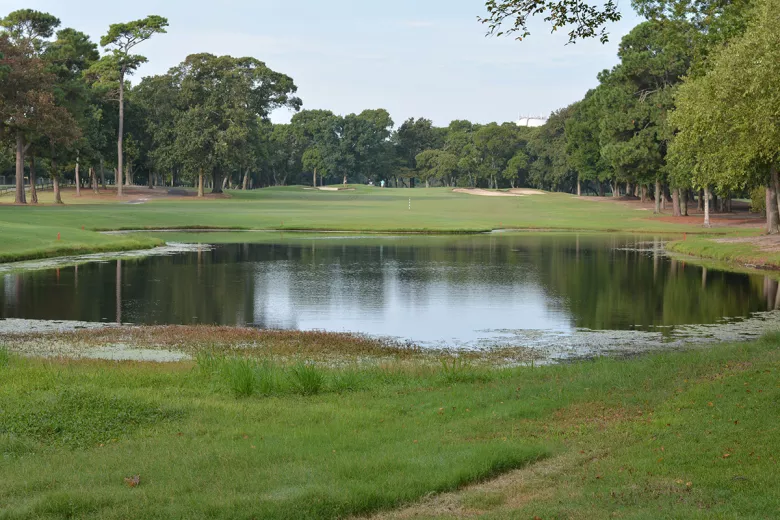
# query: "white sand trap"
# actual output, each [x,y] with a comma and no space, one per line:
[330,188]
[514,192]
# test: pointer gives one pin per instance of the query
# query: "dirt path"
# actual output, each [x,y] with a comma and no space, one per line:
[764,243]
[740,217]
[132,195]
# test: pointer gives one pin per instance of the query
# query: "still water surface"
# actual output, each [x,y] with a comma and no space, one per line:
[456,291]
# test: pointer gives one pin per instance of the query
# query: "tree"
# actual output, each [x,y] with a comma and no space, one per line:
[412,138]
[516,169]
[222,100]
[728,136]
[68,57]
[636,96]
[588,21]
[437,165]
[550,167]
[496,145]
[28,108]
[112,69]
[582,143]
[316,132]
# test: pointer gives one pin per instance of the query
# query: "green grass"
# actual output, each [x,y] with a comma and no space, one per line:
[742,253]
[617,437]
[31,232]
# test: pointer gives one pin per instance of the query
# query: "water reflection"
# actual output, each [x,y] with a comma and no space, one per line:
[429,289]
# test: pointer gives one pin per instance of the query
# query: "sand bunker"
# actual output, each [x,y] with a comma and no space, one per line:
[330,188]
[514,192]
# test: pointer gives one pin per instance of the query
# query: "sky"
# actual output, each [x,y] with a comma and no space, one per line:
[415,58]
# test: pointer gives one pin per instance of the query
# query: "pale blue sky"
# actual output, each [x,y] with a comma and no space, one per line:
[416,58]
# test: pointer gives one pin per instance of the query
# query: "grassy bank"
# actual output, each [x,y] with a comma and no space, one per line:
[689,435]
[20,240]
[753,252]
[28,232]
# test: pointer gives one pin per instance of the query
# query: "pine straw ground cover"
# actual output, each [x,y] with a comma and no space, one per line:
[686,435]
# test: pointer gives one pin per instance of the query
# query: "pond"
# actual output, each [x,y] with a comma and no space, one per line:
[452,291]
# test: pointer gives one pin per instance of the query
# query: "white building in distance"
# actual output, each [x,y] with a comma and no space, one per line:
[531,121]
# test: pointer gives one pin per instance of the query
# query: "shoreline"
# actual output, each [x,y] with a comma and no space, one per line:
[67,253]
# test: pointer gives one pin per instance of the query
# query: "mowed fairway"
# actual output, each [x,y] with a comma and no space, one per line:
[30,232]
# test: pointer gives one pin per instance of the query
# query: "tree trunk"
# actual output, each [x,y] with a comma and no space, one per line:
[579,186]
[707,206]
[93,177]
[676,203]
[33,191]
[658,196]
[78,179]
[246,180]
[700,205]
[102,174]
[21,198]
[55,180]
[774,181]
[772,216]
[684,201]
[200,183]
[216,186]
[224,183]
[120,136]
[345,180]
[314,181]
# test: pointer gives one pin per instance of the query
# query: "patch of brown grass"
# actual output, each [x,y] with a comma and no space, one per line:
[319,345]
[194,338]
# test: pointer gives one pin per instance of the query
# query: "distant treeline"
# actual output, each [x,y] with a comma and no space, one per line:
[690,109]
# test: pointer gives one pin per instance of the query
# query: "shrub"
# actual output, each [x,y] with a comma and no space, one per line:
[758,200]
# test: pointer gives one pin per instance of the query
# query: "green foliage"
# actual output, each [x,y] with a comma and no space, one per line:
[758,200]
[306,378]
[5,357]
[121,38]
[726,136]
[584,19]
[29,27]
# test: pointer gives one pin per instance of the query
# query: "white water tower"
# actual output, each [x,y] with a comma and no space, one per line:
[531,121]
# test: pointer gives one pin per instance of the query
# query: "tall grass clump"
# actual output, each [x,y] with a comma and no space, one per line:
[240,376]
[460,370]
[5,357]
[208,364]
[306,378]
[347,380]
